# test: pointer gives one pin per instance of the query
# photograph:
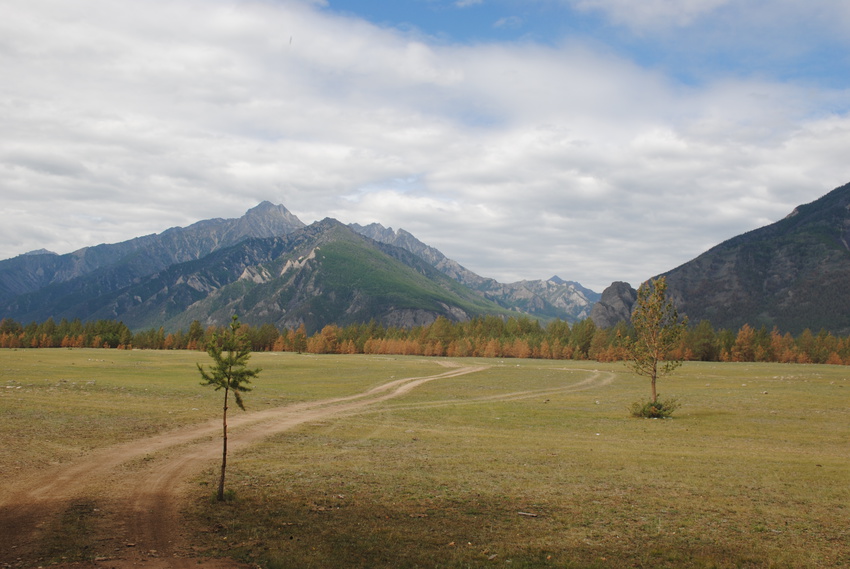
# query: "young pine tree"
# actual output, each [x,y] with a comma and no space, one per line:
[229,372]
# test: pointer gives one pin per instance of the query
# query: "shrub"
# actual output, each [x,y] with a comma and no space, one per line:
[660,409]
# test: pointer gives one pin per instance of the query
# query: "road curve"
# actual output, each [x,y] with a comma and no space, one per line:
[137,485]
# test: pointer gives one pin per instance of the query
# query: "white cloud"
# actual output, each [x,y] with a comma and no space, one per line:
[508,22]
[519,161]
[652,13]
[789,21]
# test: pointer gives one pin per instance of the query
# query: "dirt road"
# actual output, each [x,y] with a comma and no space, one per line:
[131,493]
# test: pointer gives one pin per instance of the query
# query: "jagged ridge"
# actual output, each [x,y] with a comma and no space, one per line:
[35,287]
[321,274]
[548,299]
[269,267]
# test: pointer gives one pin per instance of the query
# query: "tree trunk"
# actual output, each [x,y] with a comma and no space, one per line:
[654,394]
[223,451]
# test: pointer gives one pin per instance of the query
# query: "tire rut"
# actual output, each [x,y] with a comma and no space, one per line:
[138,485]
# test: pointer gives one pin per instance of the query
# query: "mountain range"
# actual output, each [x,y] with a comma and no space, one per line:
[268,266]
[791,275]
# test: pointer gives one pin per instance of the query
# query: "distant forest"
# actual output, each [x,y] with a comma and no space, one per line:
[489,336]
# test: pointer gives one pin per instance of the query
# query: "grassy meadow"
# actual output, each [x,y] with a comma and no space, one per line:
[514,466]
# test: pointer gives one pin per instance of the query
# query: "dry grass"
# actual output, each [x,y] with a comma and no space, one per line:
[58,403]
[742,478]
[751,472]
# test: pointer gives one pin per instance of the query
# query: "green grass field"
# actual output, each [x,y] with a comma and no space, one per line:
[508,467]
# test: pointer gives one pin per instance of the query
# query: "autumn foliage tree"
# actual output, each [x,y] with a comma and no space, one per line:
[657,332]
[483,336]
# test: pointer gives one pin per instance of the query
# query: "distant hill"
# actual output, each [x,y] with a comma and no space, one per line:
[268,267]
[549,299]
[793,274]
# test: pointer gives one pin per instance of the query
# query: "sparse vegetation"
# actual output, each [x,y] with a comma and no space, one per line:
[658,409]
[71,537]
[229,372]
[512,464]
[446,480]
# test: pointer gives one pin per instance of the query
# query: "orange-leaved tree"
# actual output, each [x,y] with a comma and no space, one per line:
[657,331]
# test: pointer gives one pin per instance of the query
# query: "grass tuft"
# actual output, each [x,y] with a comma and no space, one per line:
[660,409]
[229,496]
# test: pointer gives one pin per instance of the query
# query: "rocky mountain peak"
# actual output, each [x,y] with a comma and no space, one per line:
[267,219]
[375,231]
[344,273]
[614,306]
[268,209]
[553,298]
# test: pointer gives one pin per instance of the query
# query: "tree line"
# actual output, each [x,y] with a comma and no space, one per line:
[487,336]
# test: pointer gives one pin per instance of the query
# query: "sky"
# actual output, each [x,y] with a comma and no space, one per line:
[596,140]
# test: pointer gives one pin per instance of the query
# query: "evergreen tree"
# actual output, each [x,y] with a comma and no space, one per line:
[230,355]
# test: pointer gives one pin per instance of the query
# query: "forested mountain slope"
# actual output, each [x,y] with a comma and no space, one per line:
[793,274]
[546,299]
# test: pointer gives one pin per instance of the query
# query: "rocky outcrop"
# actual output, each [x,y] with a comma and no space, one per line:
[614,306]
[552,298]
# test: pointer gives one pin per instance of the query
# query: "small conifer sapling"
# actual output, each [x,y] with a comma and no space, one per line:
[230,353]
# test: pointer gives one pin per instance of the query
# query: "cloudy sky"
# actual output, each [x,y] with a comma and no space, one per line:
[598,140]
